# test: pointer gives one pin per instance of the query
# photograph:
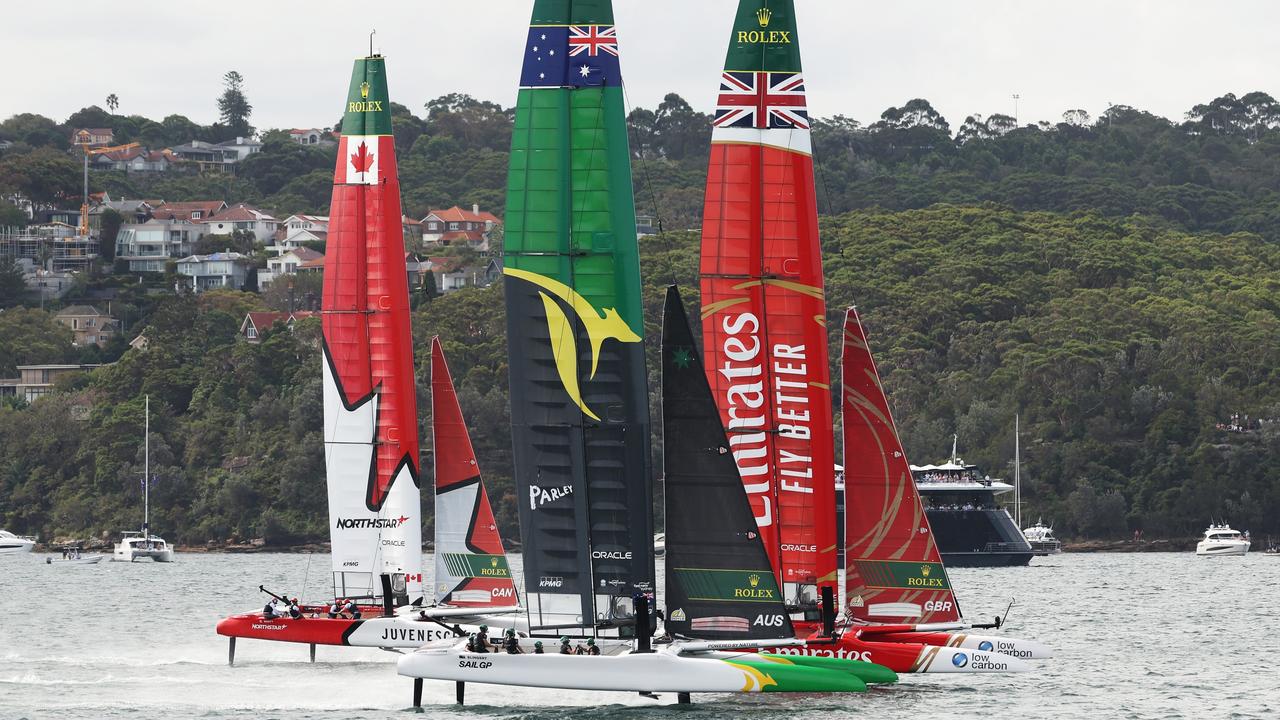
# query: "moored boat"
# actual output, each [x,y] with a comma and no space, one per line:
[1041,539]
[969,525]
[1220,539]
[144,545]
[11,544]
[74,555]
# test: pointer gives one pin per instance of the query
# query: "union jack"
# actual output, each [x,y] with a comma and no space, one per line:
[593,40]
[762,100]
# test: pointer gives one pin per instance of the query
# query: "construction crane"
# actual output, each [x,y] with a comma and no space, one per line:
[84,207]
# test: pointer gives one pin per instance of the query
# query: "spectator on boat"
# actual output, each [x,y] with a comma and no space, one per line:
[512,643]
[537,647]
[564,646]
[592,649]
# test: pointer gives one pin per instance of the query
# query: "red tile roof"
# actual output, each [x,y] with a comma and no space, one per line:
[457,214]
[184,209]
[239,213]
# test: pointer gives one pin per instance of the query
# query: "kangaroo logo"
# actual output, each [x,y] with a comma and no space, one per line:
[599,326]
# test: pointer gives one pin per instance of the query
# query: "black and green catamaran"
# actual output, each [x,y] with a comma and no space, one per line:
[579,396]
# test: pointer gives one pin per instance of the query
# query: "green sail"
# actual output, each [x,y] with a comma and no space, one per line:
[579,396]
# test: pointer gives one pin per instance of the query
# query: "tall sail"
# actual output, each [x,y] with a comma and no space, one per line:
[370,408]
[763,312]
[719,583]
[893,571]
[471,565]
[579,401]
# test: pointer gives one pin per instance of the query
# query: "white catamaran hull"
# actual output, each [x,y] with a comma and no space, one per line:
[661,671]
[1013,647]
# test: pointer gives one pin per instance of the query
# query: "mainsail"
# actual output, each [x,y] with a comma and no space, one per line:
[370,408]
[893,571]
[719,583]
[471,565]
[763,311]
[579,398]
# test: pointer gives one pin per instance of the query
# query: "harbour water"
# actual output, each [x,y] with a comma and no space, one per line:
[1157,635]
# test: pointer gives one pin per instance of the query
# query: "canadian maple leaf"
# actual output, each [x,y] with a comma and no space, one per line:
[362,159]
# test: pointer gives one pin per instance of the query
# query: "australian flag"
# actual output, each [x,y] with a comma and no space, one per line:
[571,56]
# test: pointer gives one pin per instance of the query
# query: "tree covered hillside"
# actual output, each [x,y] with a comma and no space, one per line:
[1122,343]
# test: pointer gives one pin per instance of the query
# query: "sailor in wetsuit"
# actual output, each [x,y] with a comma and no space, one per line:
[512,643]
[564,646]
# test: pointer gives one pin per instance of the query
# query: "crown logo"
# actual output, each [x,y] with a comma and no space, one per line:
[364,91]
[924,570]
[493,562]
[754,580]
[763,16]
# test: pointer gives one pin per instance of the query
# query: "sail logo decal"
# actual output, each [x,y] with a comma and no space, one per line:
[728,585]
[369,523]
[600,326]
[906,575]
[539,496]
[363,158]
[476,565]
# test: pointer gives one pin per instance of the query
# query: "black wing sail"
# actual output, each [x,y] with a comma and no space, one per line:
[720,585]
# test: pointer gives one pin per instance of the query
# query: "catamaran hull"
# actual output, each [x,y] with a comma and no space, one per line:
[397,632]
[633,672]
[1013,647]
[911,657]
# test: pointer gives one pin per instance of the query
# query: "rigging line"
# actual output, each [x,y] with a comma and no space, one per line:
[648,182]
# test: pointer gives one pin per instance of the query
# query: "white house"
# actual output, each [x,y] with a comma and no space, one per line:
[310,136]
[242,217]
[221,269]
[289,263]
[242,147]
[297,230]
[146,246]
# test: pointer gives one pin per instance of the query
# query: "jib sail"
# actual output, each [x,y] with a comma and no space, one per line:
[579,401]
[471,564]
[893,571]
[763,309]
[370,408]
[719,583]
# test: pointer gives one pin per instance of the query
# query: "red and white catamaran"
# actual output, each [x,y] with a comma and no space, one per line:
[765,339]
[371,430]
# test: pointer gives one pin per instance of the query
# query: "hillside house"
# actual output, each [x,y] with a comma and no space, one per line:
[36,381]
[290,263]
[256,323]
[93,137]
[242,147]
[311,136]
[220,269]
[194,211]
[458,226]
[88,325]
[242,217]
[147,246]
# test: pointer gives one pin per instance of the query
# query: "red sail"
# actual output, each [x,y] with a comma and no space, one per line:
[763,311]
[471,565]
[893,571]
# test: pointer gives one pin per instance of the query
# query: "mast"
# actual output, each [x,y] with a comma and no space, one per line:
[1017,475]
[579,395]
[146,470]
[893,568]
[719,583]
[370,405]
[763,305]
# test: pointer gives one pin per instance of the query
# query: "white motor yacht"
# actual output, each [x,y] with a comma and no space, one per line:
[1222,540]
[137,546]
[1042,539]
[11,544]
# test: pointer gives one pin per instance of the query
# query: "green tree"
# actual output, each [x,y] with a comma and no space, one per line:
[233,107]
[113,103]
[12,286]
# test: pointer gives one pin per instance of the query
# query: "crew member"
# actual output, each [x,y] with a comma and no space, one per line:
[564,646]
[269,610]
[578,649]
[295,612]
[591,647]
[482,639]
[537,647]
[353,610]
[335,609]
[512,643]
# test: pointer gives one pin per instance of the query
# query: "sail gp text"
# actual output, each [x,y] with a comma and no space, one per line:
[748,398]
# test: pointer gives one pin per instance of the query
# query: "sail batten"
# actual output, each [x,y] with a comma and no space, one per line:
[370,415]
[764,330]
[579,401]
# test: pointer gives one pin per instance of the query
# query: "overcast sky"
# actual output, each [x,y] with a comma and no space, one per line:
[168,56]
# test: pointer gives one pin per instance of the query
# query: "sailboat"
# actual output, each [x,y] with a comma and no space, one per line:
[896,586]
[143,545]
[722,600]
[579,399]
[370,425]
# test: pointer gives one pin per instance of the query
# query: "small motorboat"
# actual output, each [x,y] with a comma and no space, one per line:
[11,544]
[660,545]
[74,555]
[1222,540]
